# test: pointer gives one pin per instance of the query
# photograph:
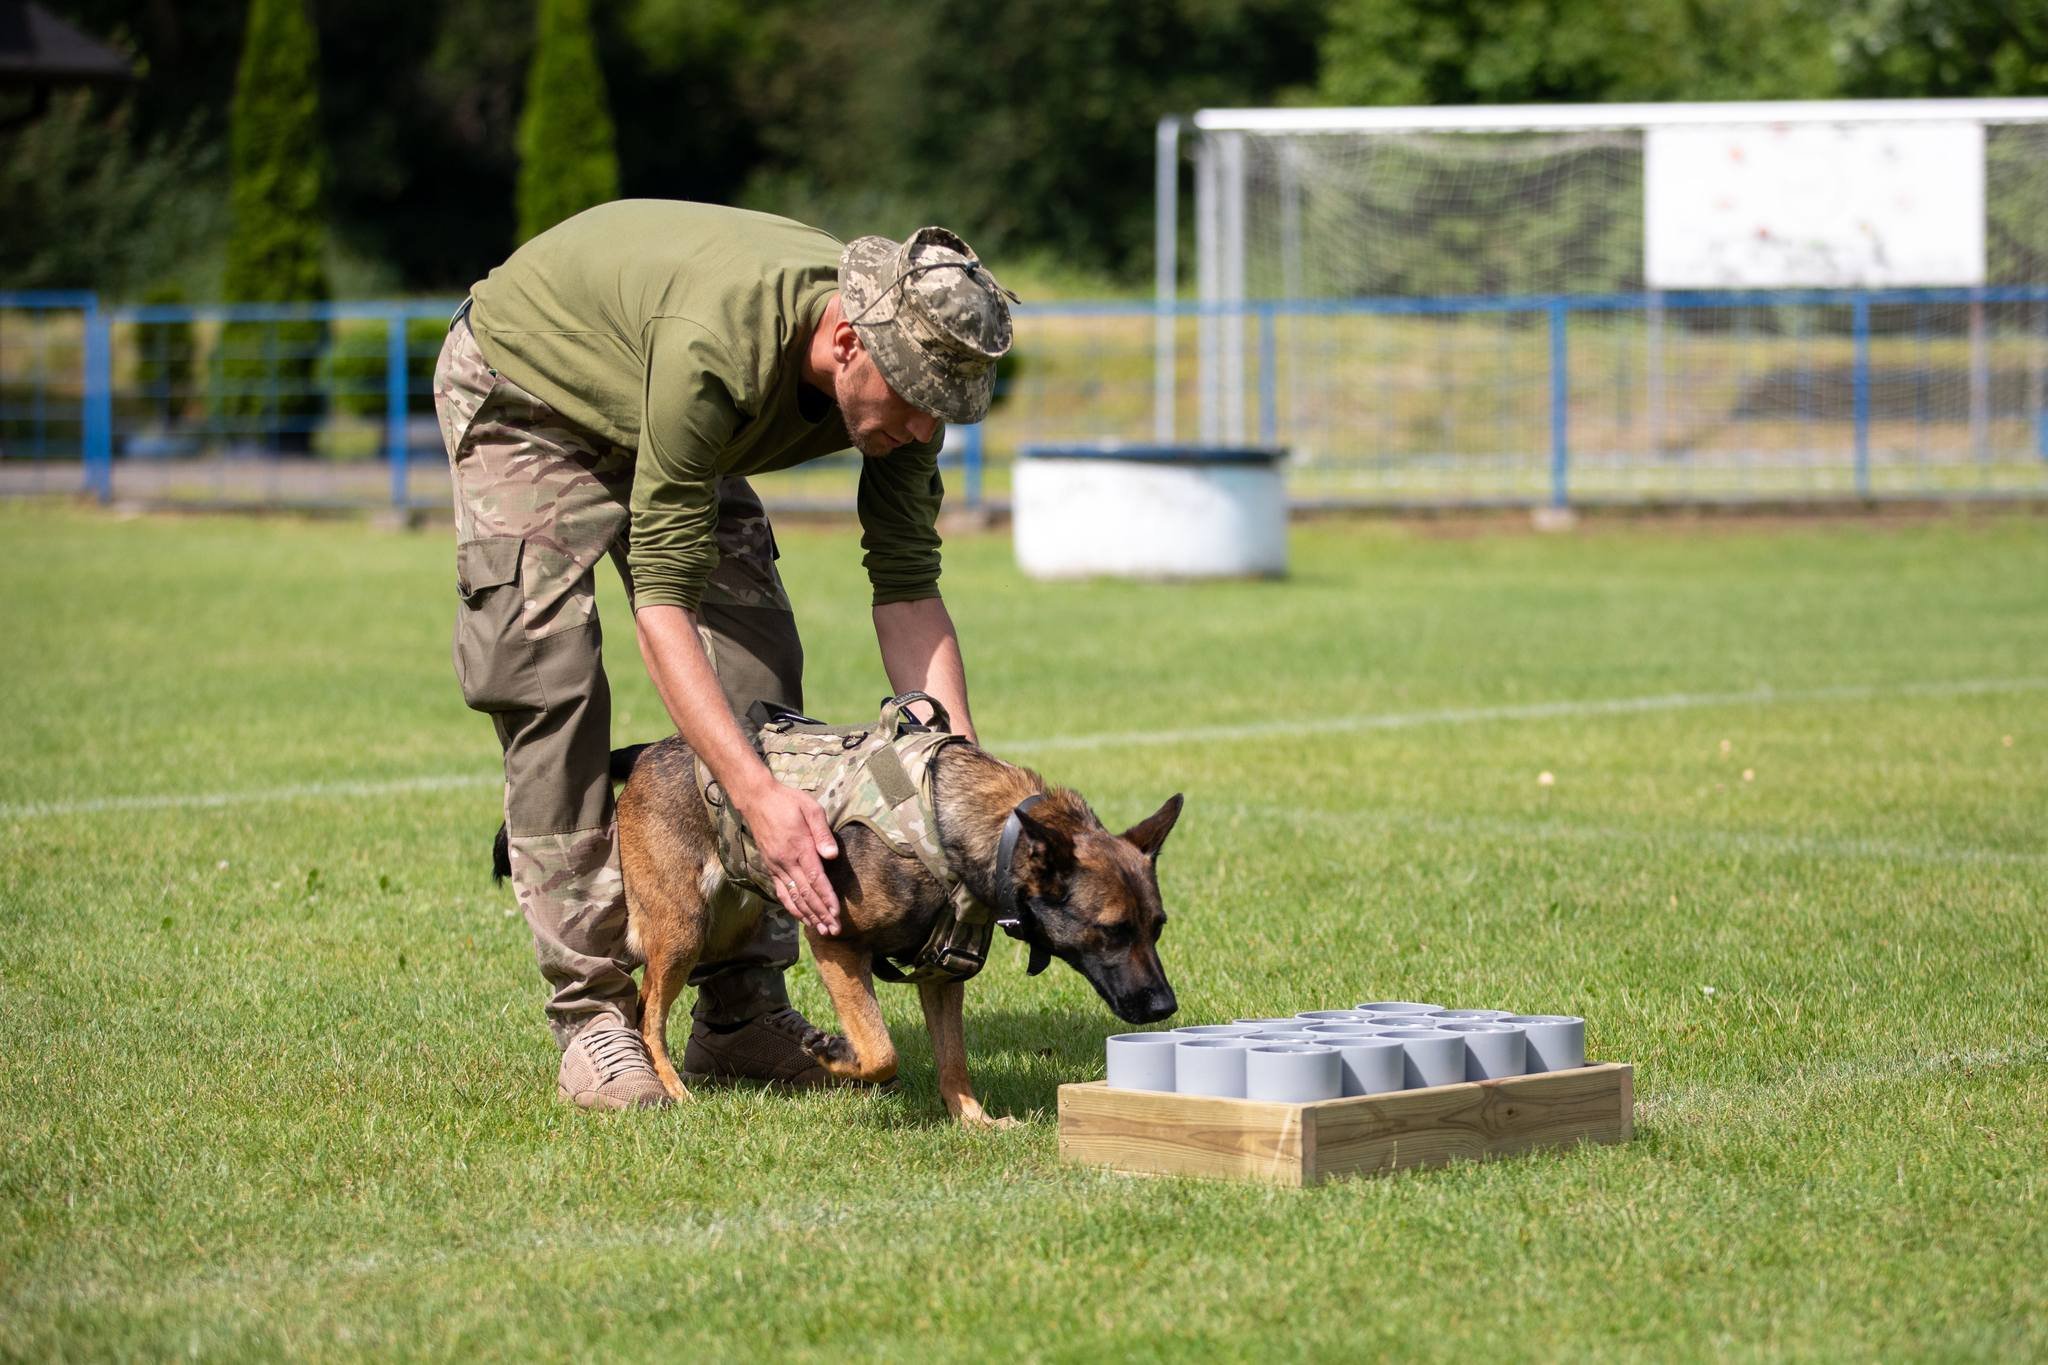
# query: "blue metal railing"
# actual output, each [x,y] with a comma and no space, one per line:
[1529,398]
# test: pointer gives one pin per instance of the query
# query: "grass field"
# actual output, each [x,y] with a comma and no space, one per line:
[273,1077]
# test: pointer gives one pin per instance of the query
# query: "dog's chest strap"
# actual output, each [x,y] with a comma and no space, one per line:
[879,776]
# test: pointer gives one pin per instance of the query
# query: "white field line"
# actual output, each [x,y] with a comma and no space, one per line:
[1746,842]
[1201,734]
[1543,710]
[303,791]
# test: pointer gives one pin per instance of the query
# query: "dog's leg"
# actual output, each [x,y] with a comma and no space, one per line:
[664,926]
[659,986]
[942,1017]
[865,1052]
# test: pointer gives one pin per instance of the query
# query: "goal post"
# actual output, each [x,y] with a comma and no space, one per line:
[1703,252]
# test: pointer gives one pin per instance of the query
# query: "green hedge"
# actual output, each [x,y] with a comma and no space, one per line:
[262,375]
[568,158]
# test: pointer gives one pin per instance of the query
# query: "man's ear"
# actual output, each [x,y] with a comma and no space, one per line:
[1149,833]
[845,342]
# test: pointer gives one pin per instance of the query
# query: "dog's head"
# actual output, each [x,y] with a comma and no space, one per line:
[1091,899]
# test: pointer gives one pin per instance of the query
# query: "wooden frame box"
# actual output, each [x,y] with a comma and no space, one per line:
[1305,1144]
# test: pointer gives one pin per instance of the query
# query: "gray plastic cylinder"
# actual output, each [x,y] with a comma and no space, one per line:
[1371,1066]
[1432,1056]
[1491,1050]
[1402,1007]
[1294,1073]
[1141,1061]
[1210,1066]
[1557,1042]
[1343,1028]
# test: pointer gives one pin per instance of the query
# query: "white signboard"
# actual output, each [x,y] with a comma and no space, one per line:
[1770,206]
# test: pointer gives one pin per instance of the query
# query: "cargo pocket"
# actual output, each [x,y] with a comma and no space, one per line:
[493,658]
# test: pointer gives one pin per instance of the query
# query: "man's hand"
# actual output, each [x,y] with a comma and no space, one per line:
[789,828]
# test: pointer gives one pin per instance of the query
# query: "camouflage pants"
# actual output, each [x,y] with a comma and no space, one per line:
[538,502]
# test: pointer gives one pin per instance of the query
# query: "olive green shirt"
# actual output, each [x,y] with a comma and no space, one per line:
[680,330]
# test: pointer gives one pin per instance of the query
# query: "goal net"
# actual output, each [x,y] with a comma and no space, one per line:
[1628,301]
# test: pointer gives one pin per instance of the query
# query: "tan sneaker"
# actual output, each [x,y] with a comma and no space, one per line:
[775,1049]
[607,1067]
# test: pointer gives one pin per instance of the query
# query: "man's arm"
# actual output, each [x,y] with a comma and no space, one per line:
[921,653]
[788,825]
[688,414]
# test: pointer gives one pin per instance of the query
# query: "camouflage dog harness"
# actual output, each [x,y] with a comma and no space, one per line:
[877,775]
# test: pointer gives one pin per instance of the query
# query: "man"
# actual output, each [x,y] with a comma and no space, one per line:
[606,391]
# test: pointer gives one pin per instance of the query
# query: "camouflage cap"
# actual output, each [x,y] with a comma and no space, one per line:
[931,315]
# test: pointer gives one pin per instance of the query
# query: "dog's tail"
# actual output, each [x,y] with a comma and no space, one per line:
[501,847]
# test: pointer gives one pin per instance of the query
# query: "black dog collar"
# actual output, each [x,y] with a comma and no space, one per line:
[1010,918]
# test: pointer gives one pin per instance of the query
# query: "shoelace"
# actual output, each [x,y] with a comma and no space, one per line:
[787,1022]
[616,1052]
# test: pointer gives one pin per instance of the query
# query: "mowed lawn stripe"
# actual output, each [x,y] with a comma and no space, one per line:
[349,789]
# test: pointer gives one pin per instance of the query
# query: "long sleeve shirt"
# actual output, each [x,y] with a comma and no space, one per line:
[679,331]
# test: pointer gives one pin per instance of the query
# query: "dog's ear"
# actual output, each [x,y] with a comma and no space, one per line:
[1055,841]
[1149,833]
[1045,847]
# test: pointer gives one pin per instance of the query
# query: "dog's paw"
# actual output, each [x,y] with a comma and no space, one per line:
[829,1048]
[986,1122]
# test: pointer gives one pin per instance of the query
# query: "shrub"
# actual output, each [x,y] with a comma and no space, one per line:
[263,371]
[567,152]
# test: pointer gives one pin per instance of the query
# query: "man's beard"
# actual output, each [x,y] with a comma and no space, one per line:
[872,444]
[868,441]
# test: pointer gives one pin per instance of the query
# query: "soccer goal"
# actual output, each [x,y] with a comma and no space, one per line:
[1526,303]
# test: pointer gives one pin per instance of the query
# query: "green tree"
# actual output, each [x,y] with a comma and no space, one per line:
[90,206]
[567,154]
[1894,49]
[1402,52]
[263,371]
[1032,133]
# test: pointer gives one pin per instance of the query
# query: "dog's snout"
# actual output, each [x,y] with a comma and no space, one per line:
[1151,1006]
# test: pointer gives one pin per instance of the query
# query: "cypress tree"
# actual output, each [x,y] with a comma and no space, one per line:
[567,152]
[264,370]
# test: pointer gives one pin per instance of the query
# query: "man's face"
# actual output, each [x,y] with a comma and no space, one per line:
[876,419]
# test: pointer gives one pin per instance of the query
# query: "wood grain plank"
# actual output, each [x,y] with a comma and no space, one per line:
[1303,1144]
[1148,1131]
[1474,1121]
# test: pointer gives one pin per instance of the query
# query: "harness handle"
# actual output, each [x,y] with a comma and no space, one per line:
[897,716]
[764,713]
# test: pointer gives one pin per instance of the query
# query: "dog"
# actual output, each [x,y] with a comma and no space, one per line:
[1081,894]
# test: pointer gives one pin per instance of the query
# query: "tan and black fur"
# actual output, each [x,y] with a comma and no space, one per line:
[1091,898]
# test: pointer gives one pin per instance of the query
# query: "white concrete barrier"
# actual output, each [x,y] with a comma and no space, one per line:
[1150,511]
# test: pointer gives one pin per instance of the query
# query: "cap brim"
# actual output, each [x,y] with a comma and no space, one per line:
[967,405]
